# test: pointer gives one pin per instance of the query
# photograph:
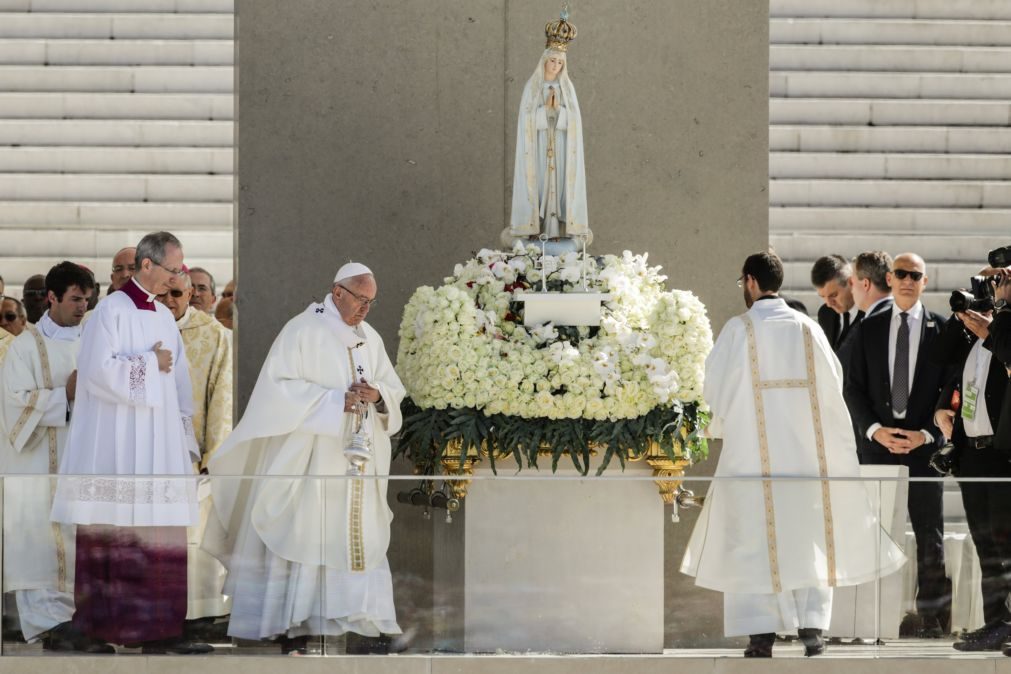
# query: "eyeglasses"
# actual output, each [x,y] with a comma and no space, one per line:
[34,293]
[201,288]
[10,318]
[365,301]
[740,281]
[119,269]
[174,272]
[901,274]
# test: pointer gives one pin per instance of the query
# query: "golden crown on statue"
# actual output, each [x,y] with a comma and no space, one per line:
[560,33]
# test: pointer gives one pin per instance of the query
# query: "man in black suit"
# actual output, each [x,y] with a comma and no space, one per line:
[830,276]
[891,389]
[969,420]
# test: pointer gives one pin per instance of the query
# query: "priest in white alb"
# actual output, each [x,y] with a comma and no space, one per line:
[777,547]
[39,384]
[209,354]
[308,556]
[130,485]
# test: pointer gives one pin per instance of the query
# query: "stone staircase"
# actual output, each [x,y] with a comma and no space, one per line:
[115,120]
[890,128]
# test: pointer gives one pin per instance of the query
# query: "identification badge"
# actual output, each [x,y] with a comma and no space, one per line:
[969,397]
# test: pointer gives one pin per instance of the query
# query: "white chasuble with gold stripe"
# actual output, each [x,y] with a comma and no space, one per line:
[38,554]
[775,390]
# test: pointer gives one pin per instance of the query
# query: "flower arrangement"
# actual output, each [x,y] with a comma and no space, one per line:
[475,374]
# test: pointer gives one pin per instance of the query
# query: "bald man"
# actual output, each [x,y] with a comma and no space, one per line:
[892,390]
[124,264]
[35,298]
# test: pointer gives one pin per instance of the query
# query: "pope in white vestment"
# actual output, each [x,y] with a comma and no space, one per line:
[38,555]
[776,548]
[307,555]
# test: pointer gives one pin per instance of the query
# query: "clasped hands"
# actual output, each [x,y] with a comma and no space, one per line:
[899,440]
[360,393]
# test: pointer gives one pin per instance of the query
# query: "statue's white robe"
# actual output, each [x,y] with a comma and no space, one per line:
[307,555]
[789,540]
[38,555]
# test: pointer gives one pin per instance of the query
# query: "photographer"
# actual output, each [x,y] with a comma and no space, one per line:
[967,413]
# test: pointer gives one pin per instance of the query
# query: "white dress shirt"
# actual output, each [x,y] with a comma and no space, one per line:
[977,367]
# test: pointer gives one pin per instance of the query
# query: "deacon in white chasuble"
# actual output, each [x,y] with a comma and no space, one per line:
[209,353]
[308,556]
[38,554]
[775,390]
[131,420]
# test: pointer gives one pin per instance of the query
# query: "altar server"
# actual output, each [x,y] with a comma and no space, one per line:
[133,418]
[208,347]
[308,556]
[777,548]
[39,384]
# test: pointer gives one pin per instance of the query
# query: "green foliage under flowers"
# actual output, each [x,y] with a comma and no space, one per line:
[426,434]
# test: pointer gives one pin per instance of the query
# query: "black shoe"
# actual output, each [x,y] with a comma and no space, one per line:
[990,639]
[175,647]
[760,645]
[813,643]
[930,629]
[294,645]
[910,626]
[65,637]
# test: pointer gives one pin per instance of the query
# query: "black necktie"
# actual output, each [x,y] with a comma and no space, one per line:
[900,373]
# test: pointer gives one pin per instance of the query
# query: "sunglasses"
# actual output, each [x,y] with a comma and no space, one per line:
[901,274]
[10,318]
[174,293]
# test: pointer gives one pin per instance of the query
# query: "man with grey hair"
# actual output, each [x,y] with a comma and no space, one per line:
[327,383]
[133,418]
[204,291]
[13,317]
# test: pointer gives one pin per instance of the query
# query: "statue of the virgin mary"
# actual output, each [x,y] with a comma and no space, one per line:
[549,182]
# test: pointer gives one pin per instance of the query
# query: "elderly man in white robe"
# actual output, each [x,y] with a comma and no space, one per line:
[130,436]
[39,384]
[776,548]
[308,556]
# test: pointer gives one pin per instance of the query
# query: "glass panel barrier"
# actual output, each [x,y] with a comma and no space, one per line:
[532,563]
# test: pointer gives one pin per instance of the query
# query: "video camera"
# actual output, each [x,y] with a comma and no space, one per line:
[982,287]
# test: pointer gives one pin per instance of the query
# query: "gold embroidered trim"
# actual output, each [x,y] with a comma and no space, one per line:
[819,439]
[783,383]
[356,544]
[763,448]
[33,400]
[54,460]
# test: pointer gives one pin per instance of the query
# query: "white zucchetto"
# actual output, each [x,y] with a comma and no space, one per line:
[349,270]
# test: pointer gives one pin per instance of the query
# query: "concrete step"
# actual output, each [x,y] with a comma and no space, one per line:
[918,139]
[116,133]
[879,165]
[115,187]
[18,269]
[941,277]
[884,112]
[131,6]
[114,216]
[132,26]
[897,193]
[970,221]
[889,58]
[890,31]
[63,159]
[850,84]
[116,52]
[934,301]
[894,9]
[127,79]
[96,243]
[192,106]
[961,246]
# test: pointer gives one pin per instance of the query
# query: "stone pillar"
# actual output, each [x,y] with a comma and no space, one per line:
[383,131]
